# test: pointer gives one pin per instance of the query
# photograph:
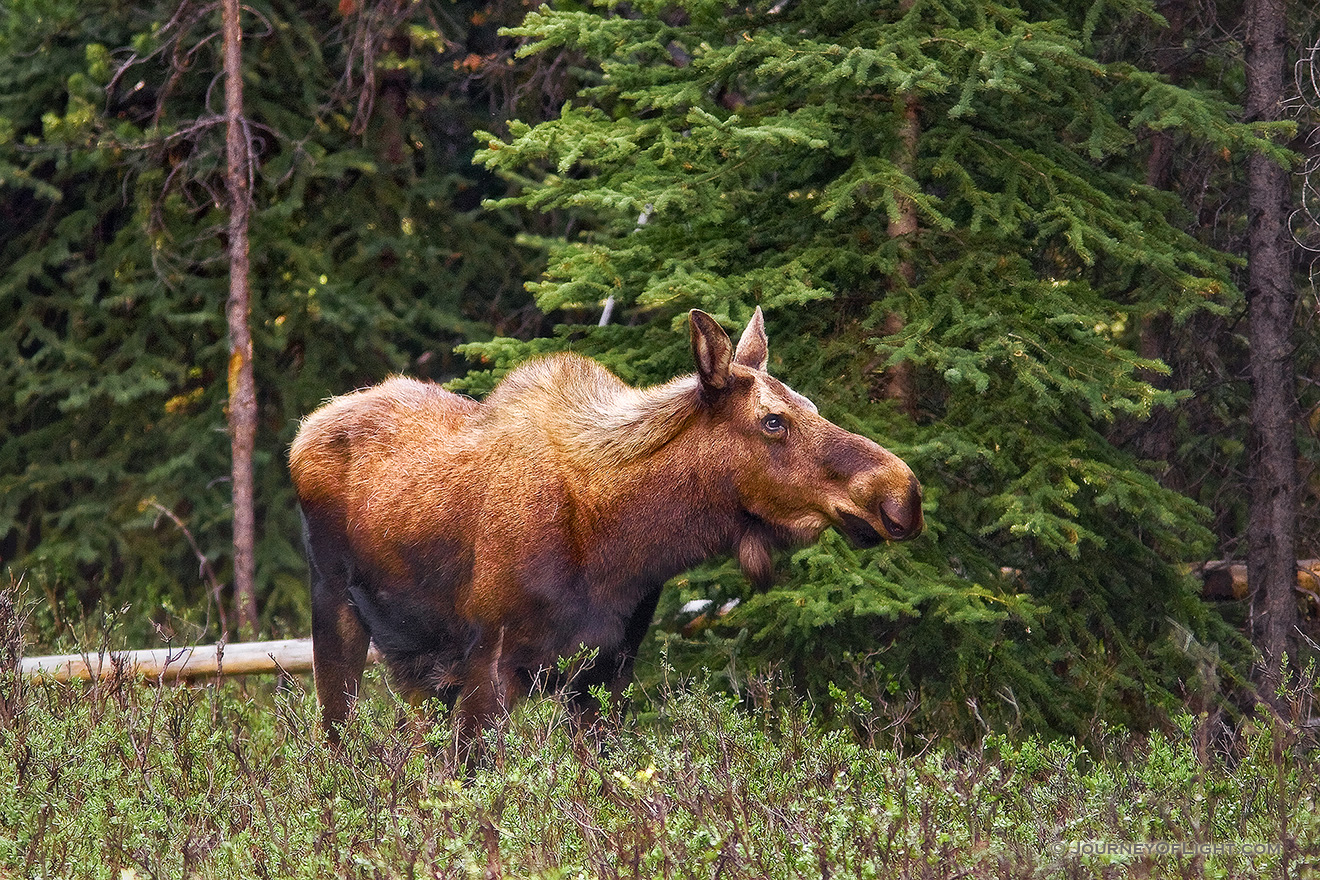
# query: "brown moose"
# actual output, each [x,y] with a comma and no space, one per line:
[477,543]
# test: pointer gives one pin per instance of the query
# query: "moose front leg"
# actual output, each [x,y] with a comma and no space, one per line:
[615,670]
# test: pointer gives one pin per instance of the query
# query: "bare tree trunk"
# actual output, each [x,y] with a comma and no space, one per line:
[898,377]
[1155,440]
[898,384]
[1271,302]
[242,385]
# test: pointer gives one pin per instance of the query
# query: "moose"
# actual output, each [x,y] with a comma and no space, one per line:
[475,543]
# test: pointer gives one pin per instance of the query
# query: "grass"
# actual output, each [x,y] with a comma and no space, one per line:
[124,779]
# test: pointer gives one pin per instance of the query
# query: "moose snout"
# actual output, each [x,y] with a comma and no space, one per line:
[901,514]
[888,507]
[889,514]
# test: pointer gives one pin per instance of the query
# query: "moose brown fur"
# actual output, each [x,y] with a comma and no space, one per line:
[477,543]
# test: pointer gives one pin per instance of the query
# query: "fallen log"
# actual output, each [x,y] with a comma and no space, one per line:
[1224,579]
[179,664]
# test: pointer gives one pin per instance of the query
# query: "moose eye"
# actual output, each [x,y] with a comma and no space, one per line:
[774,424]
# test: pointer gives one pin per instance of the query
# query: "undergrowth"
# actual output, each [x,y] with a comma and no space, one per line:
[124,779]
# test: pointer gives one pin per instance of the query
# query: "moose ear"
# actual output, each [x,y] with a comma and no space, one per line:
[754,348]
[711,349]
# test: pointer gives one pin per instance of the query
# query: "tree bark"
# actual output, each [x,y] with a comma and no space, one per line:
[242,385]
[1271,303]
[898,384]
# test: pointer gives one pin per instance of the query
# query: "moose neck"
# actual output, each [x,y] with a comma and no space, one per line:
[659,513]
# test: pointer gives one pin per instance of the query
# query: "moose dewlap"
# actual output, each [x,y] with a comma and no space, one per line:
[477,543]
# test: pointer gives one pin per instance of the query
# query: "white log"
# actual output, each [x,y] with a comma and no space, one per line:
[179,664]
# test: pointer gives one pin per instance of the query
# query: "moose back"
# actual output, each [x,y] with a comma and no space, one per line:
[477,543]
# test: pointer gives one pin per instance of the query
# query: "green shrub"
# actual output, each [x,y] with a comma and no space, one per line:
[123,779]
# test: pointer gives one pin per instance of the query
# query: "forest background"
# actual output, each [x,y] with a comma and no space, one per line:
[1010,241]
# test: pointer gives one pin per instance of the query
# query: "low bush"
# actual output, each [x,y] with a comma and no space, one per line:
[124,779]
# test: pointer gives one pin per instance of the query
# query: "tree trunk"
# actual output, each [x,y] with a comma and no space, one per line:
[242,385]
[898,377]
[1271,301]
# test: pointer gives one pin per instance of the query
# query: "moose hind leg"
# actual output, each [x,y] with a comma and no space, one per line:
[339,640]
[339,654]
[491,686]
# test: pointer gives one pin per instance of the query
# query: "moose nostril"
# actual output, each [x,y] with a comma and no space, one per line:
[902,518]
[895,519]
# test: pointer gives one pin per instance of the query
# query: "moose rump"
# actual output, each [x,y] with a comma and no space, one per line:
[477,543]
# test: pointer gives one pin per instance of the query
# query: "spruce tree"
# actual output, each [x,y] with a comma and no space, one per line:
[728,157]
